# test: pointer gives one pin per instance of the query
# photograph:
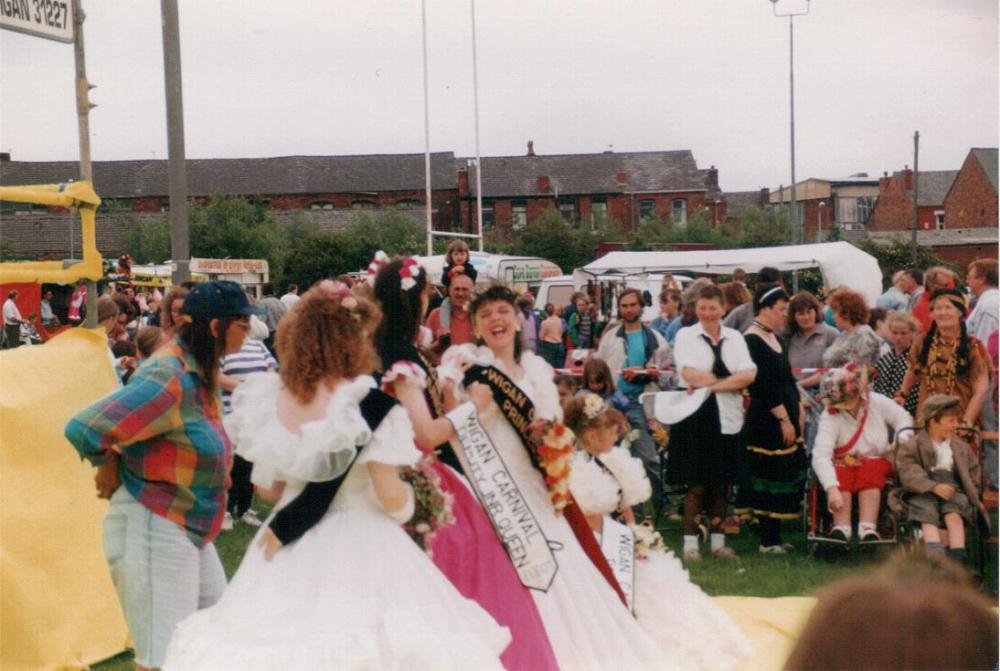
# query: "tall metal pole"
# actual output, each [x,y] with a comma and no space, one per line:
[83,106]
[794,226]
[427,133]
[475,103]
[916,194]
[180,247]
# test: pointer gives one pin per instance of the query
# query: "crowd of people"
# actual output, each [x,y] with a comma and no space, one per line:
[369,416]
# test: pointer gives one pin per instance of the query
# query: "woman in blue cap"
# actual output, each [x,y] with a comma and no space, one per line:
[162,438]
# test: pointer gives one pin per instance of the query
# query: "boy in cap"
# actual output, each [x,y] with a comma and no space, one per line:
[939,477]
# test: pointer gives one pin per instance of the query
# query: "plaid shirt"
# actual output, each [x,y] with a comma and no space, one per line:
[175,454]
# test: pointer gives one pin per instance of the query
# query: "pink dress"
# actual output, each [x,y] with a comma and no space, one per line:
[471,556]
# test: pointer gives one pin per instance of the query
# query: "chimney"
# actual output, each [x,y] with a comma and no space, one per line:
[907,178]
[531,147]
[621,178]
[463,182]
[712,178]
[5,157]
[764,199]
[544,184]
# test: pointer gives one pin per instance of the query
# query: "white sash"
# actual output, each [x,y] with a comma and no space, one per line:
[512,517]
[618,547]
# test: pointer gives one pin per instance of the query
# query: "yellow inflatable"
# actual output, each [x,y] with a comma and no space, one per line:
[58,608]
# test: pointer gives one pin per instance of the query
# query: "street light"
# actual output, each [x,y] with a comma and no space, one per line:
[794,223]
[819,221]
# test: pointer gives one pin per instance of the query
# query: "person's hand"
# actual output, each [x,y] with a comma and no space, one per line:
[538,428]
[270,544]
[943,491]
[834,499]
[107,479]
[787,431]
[900,400]
[481,395]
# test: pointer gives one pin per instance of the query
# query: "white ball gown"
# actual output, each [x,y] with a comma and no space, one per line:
[668,605]
[355,591]
[588,625]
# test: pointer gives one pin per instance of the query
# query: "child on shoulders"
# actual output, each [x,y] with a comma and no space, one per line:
[456,262]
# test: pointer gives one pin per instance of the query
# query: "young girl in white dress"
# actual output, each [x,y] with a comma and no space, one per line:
[588,624]
[335,585]
[607,480]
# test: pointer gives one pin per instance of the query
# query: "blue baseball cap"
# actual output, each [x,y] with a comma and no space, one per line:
[218,299]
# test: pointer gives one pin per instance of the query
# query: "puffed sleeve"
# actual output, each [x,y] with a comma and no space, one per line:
[392,442]
[406,372]
[631,476]
[546,394]
[323,449]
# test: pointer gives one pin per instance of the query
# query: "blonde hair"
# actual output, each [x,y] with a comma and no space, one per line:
[898,317]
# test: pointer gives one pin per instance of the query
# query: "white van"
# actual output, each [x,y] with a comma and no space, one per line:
[559,290]
[517,272]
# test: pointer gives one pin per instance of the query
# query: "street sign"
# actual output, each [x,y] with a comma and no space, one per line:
[49,19]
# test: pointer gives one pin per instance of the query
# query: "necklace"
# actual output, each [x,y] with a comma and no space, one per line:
[763,327]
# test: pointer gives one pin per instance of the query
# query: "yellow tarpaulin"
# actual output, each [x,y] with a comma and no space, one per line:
[771,625]
[58,608]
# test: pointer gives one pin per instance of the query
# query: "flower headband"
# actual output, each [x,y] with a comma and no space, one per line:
[593,406]
[342,292]
[842,385]
[407,273]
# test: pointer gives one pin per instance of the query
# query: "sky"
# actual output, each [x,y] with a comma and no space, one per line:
[304,77]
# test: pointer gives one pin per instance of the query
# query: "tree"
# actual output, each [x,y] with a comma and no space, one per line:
[148,239]
[553,237]
[894,255]
[763,228]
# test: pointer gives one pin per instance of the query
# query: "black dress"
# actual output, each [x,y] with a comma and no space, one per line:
[777,472]
[698,453]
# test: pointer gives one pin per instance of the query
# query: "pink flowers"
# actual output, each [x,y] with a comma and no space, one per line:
[432,505]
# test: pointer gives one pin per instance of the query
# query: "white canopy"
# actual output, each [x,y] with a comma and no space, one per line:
[840,263]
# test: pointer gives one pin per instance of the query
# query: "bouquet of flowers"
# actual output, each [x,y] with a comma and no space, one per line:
[647,539]
[555,454]
[432,505]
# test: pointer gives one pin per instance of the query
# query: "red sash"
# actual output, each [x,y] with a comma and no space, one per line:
[841,451]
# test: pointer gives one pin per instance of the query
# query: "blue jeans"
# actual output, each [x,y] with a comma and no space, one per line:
[161,576]
[643,447]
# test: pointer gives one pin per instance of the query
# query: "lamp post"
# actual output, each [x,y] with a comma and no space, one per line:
[819,221]
[794,224]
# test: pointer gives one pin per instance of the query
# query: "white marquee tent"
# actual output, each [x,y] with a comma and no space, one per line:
[840,263]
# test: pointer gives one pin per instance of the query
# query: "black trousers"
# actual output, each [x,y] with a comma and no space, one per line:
[241,493]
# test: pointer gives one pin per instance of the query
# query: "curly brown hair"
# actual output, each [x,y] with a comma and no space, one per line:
[850,305]
[326,335]
[177,293]
[576,419]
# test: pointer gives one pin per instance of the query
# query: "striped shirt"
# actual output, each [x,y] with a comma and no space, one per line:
[253,358]
[175,455]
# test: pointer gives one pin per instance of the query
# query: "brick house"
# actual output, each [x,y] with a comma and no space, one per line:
[894,211]
[971,202]
[846,201]
[630,187]
[331,188]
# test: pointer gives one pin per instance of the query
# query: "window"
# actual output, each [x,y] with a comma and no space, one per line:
[865,207]
[846,212]
[489,220]
[567,208]
[321,205]
[363,205]
[939,219]
[598,211]
[679,211]
[520,215]
[408,204]
[647,211]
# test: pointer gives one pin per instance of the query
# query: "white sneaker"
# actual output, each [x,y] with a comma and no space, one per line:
[772,549]
[227,522]
[250,517]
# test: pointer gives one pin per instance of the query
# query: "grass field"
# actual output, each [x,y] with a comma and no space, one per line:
[794,574]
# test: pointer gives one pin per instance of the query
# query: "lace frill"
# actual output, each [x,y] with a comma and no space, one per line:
[322,450]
